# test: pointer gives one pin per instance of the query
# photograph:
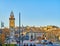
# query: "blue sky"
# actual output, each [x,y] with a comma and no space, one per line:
[33,12]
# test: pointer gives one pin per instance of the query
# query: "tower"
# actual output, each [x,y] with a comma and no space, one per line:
[12,27]
[11,20]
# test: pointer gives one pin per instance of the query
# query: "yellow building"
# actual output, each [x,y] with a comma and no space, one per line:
[12,20]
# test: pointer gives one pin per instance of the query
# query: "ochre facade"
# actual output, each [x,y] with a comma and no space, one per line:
[11,20]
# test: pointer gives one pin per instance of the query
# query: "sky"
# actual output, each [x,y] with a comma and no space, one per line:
[33,12]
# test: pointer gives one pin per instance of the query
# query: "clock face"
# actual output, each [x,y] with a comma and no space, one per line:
[12,23]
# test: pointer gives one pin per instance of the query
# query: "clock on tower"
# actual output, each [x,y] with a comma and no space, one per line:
[11,20]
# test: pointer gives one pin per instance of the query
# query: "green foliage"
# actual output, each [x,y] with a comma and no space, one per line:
[9,44]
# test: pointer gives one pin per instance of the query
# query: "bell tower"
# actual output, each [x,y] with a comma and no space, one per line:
[12,27]
[11,20]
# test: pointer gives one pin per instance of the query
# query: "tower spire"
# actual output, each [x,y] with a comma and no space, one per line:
[12,14]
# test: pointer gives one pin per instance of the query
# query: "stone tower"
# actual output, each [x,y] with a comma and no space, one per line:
[12,27]
[12,20]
